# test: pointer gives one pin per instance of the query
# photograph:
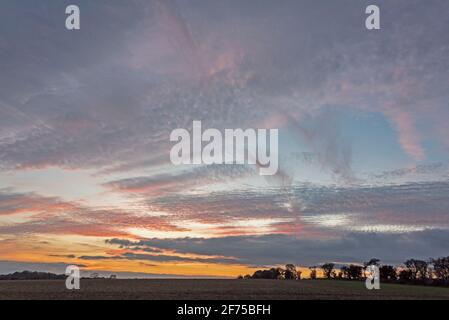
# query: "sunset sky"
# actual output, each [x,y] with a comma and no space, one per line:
[86,116]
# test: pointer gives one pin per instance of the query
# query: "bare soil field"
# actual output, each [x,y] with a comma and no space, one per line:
[213,290]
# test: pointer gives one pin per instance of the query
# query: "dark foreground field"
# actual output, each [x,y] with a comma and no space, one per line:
[214,289]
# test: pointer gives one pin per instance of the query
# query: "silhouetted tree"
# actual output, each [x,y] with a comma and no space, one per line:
[355,272]
[312,273]
[328,269]
[372,262]
[32,275]
[290,272]
[419,269]
[257,274]
[441,269]
[413,271]
[345,272]
[388,273]
[405,276]
[280,273]
[273,273]
[352,272]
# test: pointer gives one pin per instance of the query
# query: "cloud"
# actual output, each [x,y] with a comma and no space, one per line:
[158,258]
[95,101]
[67,256]
[311,211]
[429,171]
[55,216]
[422,205]
[408,135]
[15,203]
[280,249]
[161,184]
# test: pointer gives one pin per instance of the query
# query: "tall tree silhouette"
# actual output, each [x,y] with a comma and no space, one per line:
[328,269]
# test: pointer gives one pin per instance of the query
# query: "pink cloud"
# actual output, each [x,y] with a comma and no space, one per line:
[409,137]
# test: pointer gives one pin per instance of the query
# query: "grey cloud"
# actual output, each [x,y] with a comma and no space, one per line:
[164,258]
[68,256]
[177,181]
[12,202]
[423,204]
[129,244]
[90,105]
[56,216]
[80,100]
[281,249]
[93,258]
[157,258]
[433,171]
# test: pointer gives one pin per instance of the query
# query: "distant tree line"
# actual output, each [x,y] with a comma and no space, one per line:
[30,275]
[33,275]
[413,271]
[290,273]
